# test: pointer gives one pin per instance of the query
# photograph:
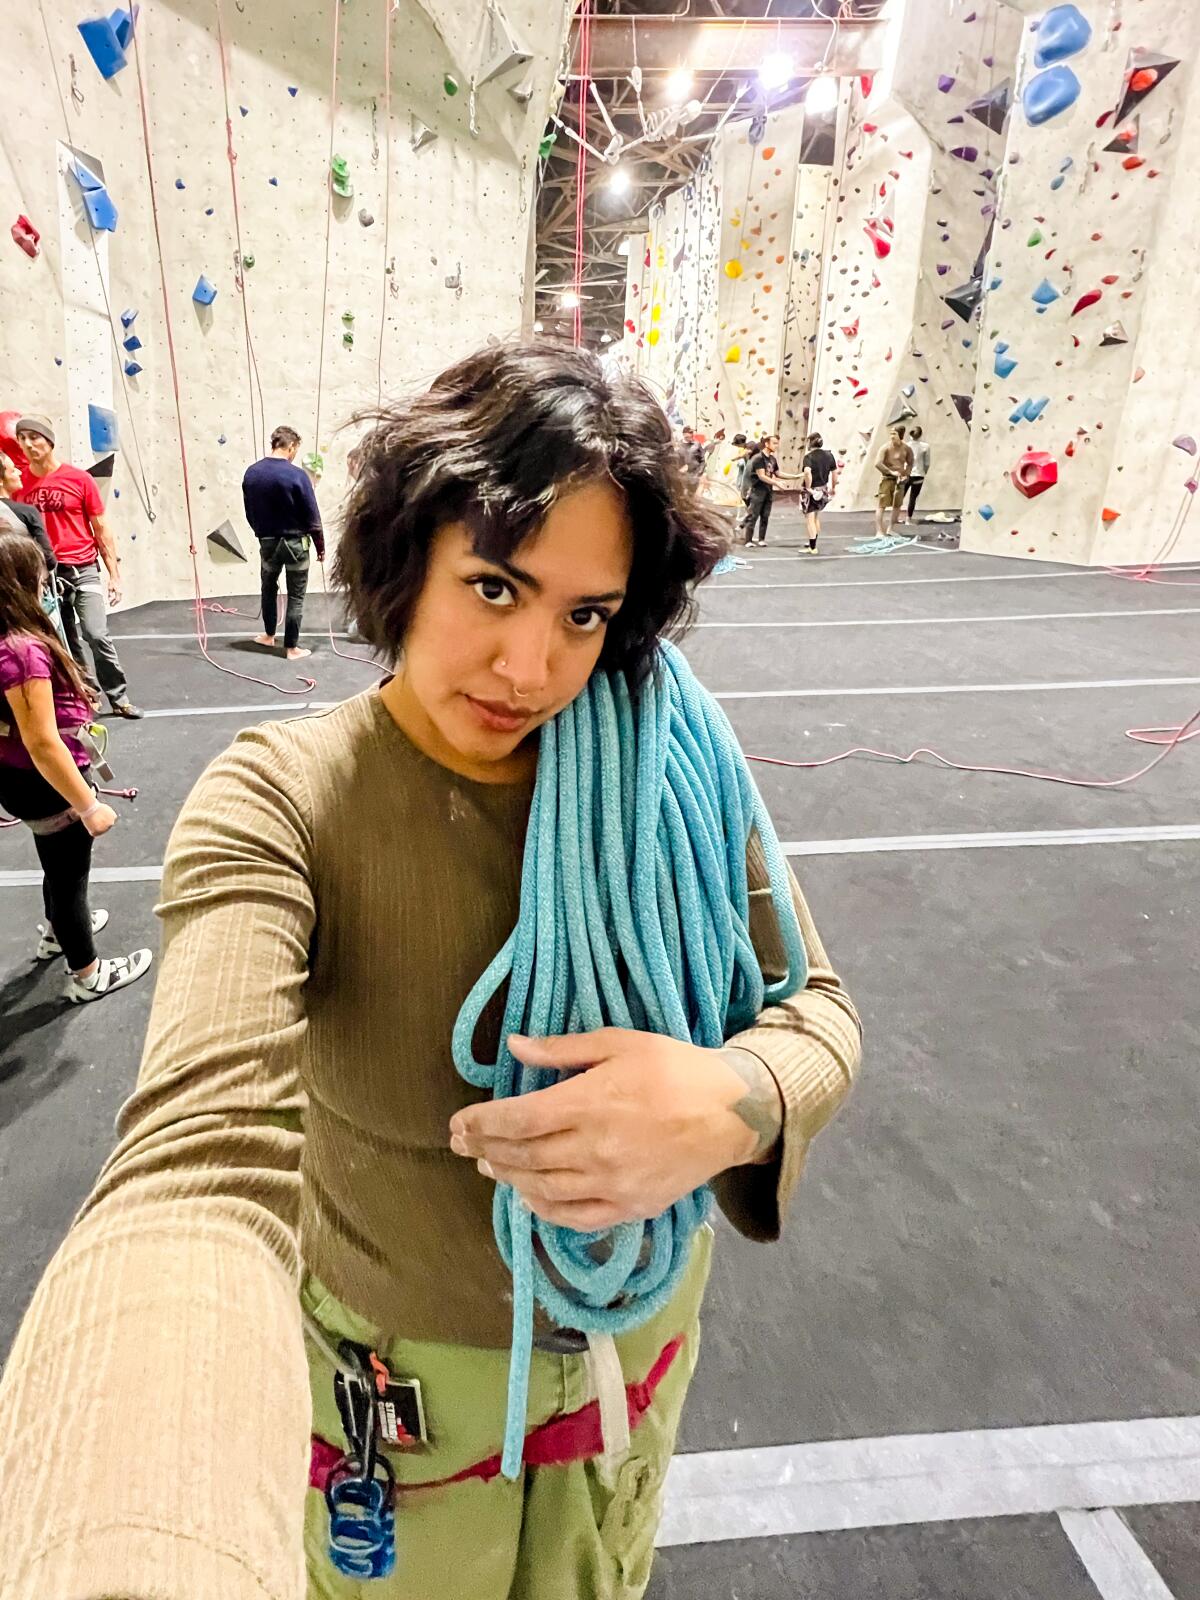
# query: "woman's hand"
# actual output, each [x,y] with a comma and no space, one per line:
[650,1120]
[98,819]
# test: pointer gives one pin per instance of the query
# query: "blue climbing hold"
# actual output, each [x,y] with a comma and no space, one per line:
[128,317]
[1034,408]
[97,201]
[203,294]
[1001,346]
[208,211]
[132,369]
[987,512]
[995,283]
[1005,365]
[132,343]
[1018,415]
[274,182]
[102,429]
[1057,183]
[292,90]
[245,110]
[1048,94]
[58,361]
[107,39]
[179,183]
[1045,294]
[1064,31]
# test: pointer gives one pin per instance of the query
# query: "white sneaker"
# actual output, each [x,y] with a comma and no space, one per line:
[113,972]
[48,945]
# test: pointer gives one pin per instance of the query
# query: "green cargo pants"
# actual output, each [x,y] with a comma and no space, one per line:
[556,1533]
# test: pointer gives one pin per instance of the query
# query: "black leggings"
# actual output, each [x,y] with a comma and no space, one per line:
[66,859]
[913,489]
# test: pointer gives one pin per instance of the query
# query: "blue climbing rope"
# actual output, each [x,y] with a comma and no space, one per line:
[634,913]
[882,544]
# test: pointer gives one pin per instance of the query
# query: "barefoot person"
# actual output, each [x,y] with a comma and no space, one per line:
[278,1340]
[282,510]
[893,464]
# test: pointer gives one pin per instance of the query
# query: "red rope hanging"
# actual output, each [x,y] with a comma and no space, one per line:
[585,79]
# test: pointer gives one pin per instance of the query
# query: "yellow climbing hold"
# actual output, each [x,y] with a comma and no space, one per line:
[733,269]
[656,314]
[734,353]
[653,336]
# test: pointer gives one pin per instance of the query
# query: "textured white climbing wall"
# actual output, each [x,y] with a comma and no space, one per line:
[1092,327]
[813,195]
[917,204]
[459,209]
[721,294]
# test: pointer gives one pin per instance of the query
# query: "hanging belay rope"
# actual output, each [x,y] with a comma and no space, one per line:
[634,913]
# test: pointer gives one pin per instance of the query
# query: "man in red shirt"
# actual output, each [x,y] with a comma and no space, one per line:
[73,512]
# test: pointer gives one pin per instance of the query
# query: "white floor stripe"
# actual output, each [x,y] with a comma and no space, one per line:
[230,633]
[229,711]
[1115,1562]
[941,622]
[888,689]
[990,841]
[934,1477]
[914,842]
[716,586]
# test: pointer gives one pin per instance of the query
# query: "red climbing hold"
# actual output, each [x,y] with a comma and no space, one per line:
[1070,450]
[1132,163]
[1110,278]
[870,127]
[1035,472]
[1143,80]
[26,236]
[1086,300]
[1109,515]
[851,330]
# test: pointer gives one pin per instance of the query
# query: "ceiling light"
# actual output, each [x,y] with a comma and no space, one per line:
[606,338]
[619,180]
[568,300]
[822,95]
[538,328]
[775,72]
[679,85]
[623,248]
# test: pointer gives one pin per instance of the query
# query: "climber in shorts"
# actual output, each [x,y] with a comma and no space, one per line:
[293,1245]
[818,482]
[894,466]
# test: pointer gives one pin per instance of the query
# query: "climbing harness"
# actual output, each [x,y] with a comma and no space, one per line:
[634,913]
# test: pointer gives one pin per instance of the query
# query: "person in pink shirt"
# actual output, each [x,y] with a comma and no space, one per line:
[73,512]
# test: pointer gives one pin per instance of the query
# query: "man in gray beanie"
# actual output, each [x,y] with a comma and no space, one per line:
[73,512]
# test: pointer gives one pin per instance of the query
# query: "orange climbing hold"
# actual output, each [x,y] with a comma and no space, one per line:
[1132,163]
[768,152]
[1109,515]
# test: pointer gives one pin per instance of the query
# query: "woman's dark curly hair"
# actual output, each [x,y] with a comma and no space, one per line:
[490,444]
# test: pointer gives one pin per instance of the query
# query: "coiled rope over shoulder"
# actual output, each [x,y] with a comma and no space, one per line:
[634,913]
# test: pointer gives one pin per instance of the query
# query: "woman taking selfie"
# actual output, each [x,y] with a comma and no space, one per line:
[474,988]
[44,773]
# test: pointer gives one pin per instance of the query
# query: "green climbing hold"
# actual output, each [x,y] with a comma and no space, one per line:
[450,83]
[348,338]
[314,462]
[546,146]
[1036,237]
[339,176]
[247,261]
[348,318]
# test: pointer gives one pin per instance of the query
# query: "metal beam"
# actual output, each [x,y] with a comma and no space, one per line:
[661,44]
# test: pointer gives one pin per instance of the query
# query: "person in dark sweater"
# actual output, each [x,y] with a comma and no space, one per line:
[281,509]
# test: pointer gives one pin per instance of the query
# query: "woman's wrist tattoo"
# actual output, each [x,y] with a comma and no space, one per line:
[761,1107]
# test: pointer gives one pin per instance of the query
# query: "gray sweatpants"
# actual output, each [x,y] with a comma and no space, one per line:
[85,617]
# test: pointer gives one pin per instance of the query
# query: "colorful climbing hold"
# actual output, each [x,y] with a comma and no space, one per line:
[1086,300]
[1035,238]
[179,183]
[733,354]
[987,512]
[26,237]
[339,177]
[203,294]
[108,39]
[1034,473]
[1049,94]
[733,269]
[1109,515]
[945,82]
[450,84]
[292,90]
[1063,31]
[1004,365]
[1045,294]
[1186,443]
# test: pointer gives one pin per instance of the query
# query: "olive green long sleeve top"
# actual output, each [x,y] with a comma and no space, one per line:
[330,896]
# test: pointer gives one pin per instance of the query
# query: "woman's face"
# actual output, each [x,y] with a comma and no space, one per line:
[496,649]
[10,479]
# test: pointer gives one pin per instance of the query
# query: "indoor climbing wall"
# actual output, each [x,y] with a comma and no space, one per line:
[384,229]
[814,193]
[1087,409]
[759,165]
[899,340]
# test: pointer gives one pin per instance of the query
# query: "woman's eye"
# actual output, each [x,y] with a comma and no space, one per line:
[494,590]
[589,619]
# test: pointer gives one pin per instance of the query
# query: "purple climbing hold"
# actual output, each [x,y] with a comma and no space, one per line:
[1191,486]
[971,17]
[1064,31]
[245,110]
[208,211]
[948,324]
[943,267]
[945,83]
[965,152]
[1049,94]
[274,182]
[1186,443]
[179,183]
